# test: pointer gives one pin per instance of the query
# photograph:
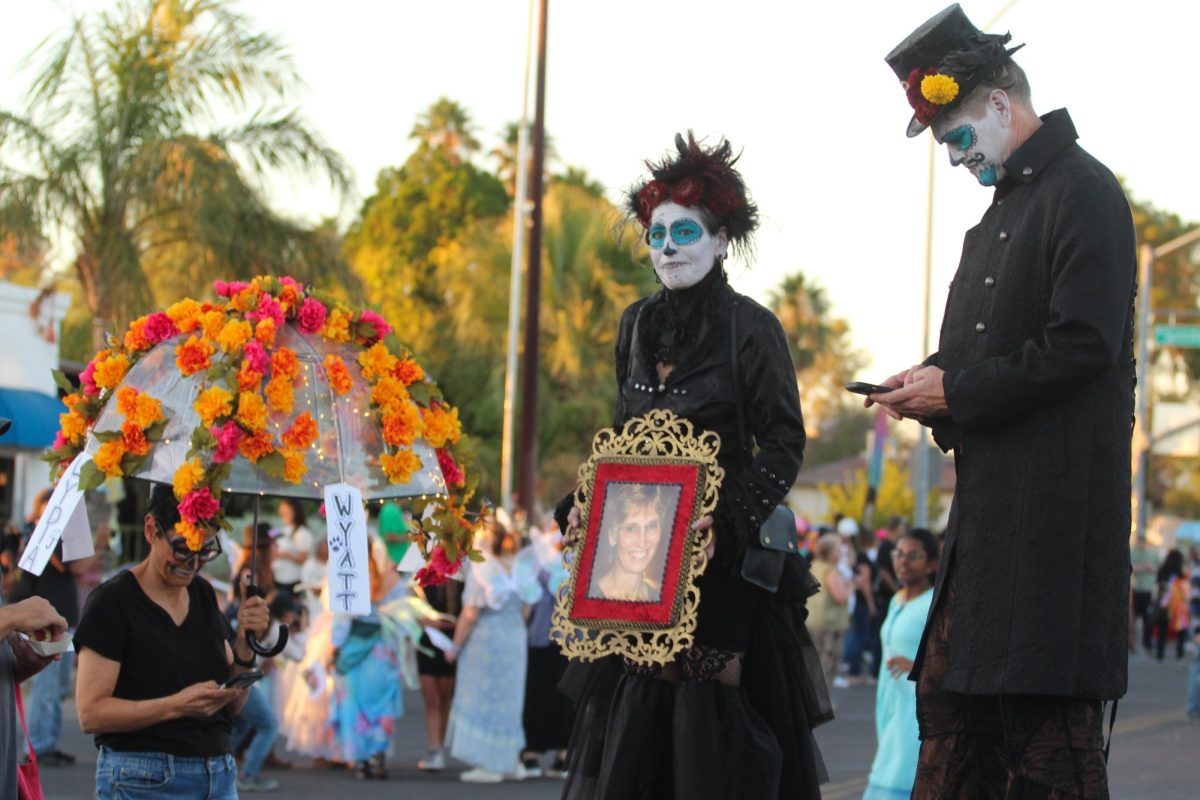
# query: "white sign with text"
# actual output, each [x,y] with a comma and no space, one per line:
[348,575]
[65,518]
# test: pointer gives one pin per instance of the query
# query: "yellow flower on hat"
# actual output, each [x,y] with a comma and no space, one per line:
[187,477]
[939,89]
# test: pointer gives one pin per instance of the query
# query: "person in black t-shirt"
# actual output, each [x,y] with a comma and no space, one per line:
[153,650]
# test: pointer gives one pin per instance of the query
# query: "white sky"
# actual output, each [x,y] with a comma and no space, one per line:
[802,87]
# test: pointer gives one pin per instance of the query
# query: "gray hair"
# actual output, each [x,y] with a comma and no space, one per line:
[1007,76]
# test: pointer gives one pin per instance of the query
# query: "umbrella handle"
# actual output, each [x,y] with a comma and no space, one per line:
[252,640]
[268,652]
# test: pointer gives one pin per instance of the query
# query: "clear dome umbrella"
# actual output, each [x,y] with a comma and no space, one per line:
[347,449]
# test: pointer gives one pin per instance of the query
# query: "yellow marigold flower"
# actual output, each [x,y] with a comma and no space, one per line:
[251,411]
[404,425]
[245,300]
[212,322]
[72,400]
[193,534]
[337,326]
[376,361]
[389,394]
[294,466]
[110,371]
[939,89]
[74,426]
[264,331]
[135,338]
[234,335]
[255,446]
[193,356]
[441,426]
[187,477]
[338,374]
[280,396]
[185,314]
[127,399]
[288,296]
[147,412]
[108,457]
[212,403]
[400,467]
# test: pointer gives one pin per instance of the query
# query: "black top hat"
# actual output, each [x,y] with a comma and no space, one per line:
[940,62]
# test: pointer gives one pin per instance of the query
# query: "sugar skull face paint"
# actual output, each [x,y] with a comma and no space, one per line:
[980,145]
[682,249]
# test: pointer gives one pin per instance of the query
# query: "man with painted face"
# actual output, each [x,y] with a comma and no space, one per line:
[1032,390]
[733,717]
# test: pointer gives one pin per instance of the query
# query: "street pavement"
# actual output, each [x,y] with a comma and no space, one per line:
[1154,753]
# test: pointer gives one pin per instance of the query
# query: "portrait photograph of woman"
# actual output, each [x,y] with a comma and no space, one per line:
[631,550]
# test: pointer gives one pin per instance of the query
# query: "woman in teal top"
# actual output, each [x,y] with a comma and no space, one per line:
[895,765]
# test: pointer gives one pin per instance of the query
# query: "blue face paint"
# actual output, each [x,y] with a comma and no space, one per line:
[961,138]
[686,231]
[988,175]
[657,236]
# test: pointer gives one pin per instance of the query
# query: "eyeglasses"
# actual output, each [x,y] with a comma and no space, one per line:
[910,556]
[185,554]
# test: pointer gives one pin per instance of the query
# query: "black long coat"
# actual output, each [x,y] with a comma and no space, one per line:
[1036,344]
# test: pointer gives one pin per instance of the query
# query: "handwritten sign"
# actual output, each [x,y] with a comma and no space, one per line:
[348,576]
[65,518]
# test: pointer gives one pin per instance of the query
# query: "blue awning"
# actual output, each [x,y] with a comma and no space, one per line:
[34,418]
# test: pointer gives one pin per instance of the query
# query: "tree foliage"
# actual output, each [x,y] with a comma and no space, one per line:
[117,149]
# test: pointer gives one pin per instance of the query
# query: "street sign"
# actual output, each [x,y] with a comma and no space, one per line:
[1177,335]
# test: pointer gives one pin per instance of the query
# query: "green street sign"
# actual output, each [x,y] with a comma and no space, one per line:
[1177,335]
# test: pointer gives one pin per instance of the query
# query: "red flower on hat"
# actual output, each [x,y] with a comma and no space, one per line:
[924,110]
[649,198]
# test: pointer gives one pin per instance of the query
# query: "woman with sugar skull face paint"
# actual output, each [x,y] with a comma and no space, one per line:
[733,716]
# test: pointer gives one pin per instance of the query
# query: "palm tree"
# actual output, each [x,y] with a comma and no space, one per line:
[505,155]
[116,150]
[446,126]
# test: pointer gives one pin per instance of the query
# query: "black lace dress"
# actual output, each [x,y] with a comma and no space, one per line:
[734,717]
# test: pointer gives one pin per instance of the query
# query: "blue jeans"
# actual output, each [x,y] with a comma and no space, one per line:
[1193,699]
[858,638]
[127,776]
[258,718]
[50,687]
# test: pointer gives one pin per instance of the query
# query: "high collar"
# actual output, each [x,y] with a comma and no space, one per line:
[1028,161]
[692,296]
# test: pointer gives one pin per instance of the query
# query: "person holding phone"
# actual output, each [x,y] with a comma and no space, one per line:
[154,652]
[1032,389]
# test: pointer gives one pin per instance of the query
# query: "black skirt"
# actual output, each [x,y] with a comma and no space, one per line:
[548,712]
[432,661]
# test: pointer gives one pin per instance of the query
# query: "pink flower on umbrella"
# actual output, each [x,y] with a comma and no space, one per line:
[159,328]
[88,380]
[450,471]
[288,280]
[59,441]
[256,357]
[373,320]
[199,505]
[268,308]
[229,288]
[312,315]
[438,570]
[229,436]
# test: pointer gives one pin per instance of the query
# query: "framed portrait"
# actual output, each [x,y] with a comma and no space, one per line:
[635,559]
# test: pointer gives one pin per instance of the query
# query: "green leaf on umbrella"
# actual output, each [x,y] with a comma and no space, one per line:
[131,463]
[90,477]
[62,381]
[272,464]
[451,550]
[201,440]
[155,432]
[421,392]
[218,473]
[476,556]
[107,436]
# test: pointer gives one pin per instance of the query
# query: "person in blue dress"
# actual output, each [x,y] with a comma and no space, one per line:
[915,559]
[490,648]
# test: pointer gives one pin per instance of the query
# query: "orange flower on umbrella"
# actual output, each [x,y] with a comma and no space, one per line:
[147,410]
[127,397]
[185,314]
[337,326]
[213,322]
[302,433]
[389,394]
[403,426]
[284,363]
[338,374]
[247,379]
[191,357]
[294,467]
[441,426]
[73,426]
[134,439]
[187,477]
[376,361]
[135,338]
[280,395]
[264,332]
[234,335]
[408,372]
[255,446]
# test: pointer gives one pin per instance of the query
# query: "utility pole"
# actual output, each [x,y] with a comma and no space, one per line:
[514,286]
[527,449]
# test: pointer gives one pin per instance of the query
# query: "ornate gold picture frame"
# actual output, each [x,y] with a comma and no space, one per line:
[634,559]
